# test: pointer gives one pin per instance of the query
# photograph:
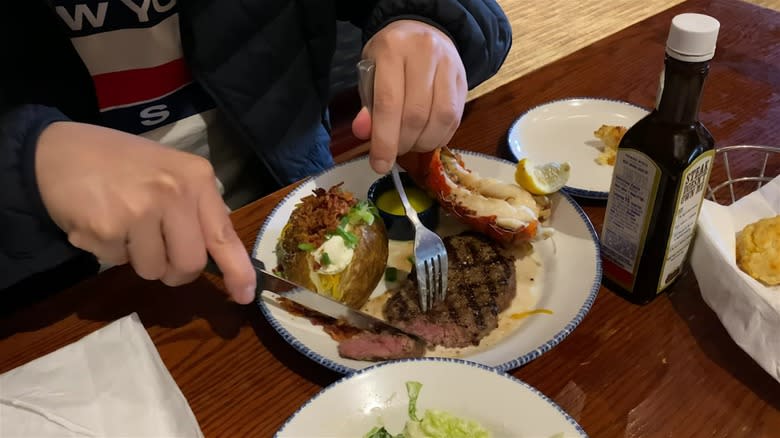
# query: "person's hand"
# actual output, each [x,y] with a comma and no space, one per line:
[420,89]
[127,199]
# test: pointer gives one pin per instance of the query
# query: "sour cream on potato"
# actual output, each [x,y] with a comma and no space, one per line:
[339,255]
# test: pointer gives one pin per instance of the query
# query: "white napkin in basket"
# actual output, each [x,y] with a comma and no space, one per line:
[111,383]
[748,310]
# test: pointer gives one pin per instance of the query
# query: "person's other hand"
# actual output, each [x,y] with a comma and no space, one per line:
[127,199]
[420,89]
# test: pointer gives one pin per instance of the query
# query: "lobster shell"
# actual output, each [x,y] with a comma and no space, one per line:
[428,171]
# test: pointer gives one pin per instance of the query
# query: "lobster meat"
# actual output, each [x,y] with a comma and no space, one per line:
[503,211]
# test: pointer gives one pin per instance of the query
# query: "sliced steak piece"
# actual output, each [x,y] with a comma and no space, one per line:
[380,346]
[481,284]
[354,343]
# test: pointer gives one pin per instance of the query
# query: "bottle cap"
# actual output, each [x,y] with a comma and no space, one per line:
[692,37]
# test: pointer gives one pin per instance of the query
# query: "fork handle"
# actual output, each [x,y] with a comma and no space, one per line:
[366,69]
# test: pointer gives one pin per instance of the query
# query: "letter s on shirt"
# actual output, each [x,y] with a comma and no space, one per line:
[154,115]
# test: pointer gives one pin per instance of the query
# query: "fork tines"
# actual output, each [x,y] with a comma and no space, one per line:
[433,284]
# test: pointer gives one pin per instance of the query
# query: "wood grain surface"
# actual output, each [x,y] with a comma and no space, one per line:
[547,30]
[660,370]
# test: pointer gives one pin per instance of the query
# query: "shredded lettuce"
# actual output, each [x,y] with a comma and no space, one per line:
[433,424]
[441,424]
[413,389]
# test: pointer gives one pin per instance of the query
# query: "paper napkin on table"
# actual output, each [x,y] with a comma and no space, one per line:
[111,383]
[749,310]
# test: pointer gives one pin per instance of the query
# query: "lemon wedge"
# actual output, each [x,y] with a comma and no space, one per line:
[542,179]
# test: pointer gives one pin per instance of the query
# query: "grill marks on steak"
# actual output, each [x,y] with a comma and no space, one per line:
[481,284]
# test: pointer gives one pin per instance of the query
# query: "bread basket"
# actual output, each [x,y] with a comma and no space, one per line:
[744,188]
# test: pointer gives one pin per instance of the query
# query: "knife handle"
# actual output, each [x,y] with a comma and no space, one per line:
[212,268]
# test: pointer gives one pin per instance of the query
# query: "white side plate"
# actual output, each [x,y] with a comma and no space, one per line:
[562,130]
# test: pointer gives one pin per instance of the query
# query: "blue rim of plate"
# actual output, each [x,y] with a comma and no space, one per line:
[574,191]
[465,362]
[506,366]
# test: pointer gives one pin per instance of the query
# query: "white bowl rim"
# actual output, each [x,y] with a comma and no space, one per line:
[451,360]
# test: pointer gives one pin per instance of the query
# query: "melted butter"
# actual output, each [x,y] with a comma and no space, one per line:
[390,201]
[528,286]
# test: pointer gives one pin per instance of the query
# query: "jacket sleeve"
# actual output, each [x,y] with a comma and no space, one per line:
[30,242]
[479,28]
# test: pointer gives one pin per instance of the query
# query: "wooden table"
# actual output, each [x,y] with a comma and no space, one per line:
[664,369]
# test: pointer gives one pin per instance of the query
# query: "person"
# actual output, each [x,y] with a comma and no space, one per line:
[128,126]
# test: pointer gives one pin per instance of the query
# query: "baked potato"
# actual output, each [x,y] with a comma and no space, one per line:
[334,244]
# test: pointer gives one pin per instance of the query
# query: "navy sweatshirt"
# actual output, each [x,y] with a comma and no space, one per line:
[272,90]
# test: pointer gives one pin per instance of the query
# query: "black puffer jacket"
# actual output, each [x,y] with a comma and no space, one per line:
[264,62]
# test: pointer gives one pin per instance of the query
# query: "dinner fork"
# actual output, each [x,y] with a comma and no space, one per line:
[430,254]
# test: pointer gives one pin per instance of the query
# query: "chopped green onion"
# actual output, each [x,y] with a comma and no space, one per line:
[391,274]
[363,211]
[325,259]
[410,259]
[349,238]
[306,247]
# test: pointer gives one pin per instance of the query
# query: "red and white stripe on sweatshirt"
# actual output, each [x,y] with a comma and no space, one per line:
[132,49]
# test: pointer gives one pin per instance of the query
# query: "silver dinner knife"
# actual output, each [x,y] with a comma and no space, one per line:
[327,306]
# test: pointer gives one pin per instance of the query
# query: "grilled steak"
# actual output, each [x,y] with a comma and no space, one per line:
[481,284]
[380,346]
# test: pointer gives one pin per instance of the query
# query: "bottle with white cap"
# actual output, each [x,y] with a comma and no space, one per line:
[661,172]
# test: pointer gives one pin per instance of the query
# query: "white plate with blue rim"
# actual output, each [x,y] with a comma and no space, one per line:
[456,393]
[562,130]
[561,277]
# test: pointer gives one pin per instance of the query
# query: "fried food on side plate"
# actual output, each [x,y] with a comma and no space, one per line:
[610,136]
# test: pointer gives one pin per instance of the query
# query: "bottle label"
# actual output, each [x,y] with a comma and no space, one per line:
[631,199]
[690,195]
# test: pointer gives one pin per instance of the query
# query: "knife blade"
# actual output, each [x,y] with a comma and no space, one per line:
[327,306]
